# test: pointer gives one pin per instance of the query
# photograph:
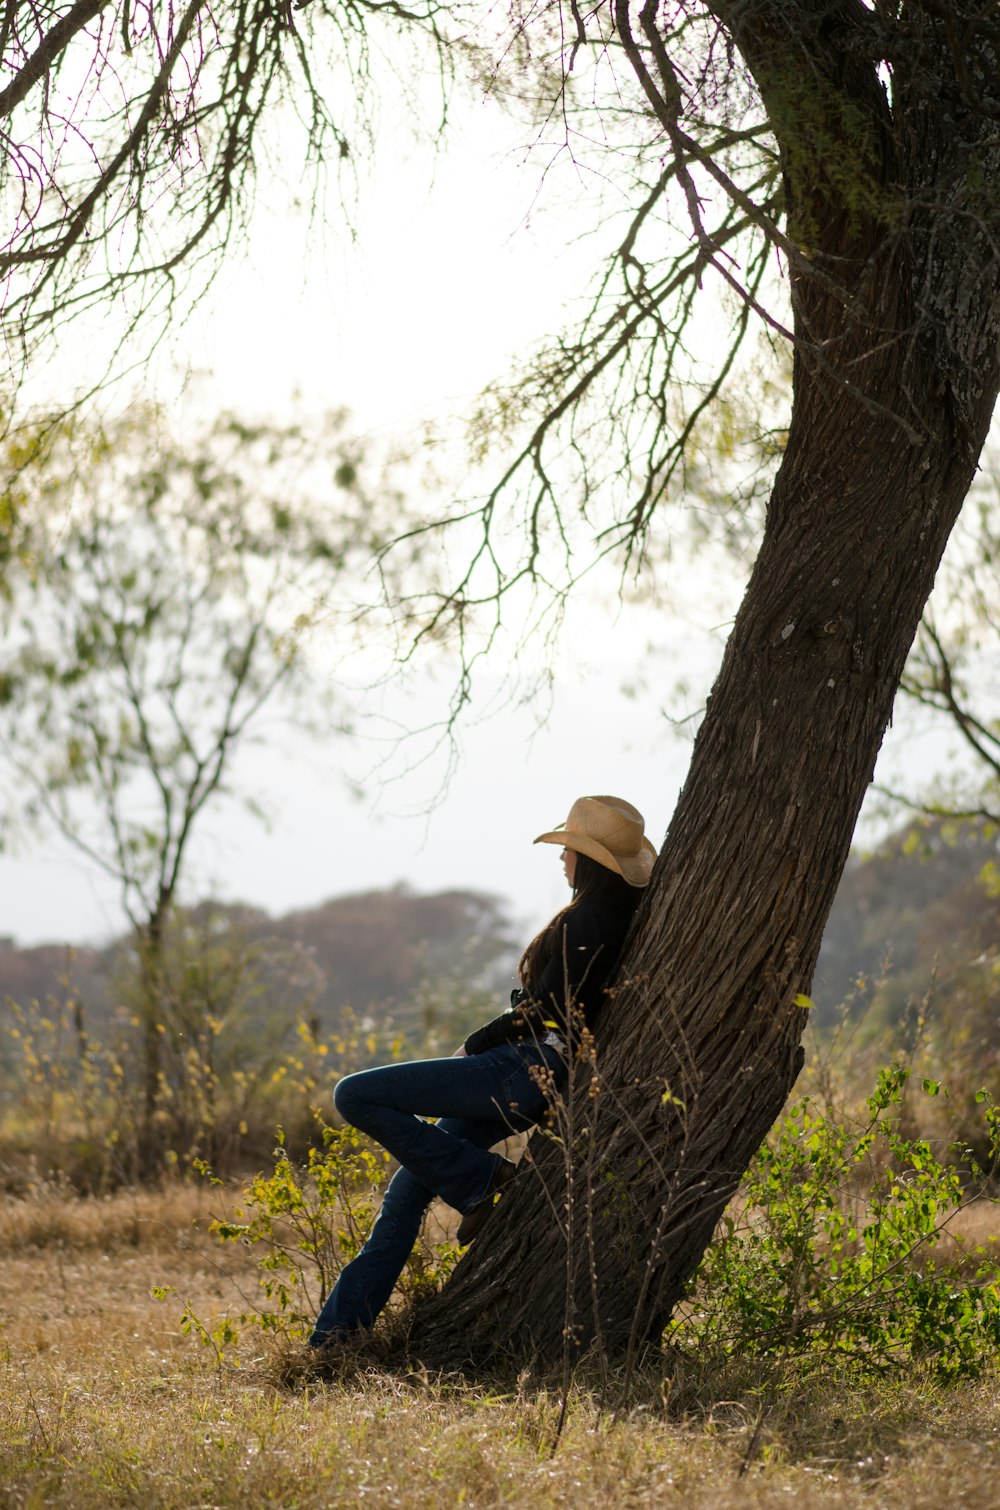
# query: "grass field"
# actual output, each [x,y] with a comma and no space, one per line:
[103,1402]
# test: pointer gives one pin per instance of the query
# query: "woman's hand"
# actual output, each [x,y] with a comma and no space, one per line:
[460,1052]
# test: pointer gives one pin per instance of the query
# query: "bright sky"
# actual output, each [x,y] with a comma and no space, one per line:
[447,282]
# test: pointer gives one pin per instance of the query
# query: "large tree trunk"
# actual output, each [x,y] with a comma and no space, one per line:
[896,376]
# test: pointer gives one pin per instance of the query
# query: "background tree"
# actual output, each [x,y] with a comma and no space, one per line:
[155,594]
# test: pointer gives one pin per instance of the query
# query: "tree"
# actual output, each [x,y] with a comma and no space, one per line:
[132,138]
[885,123]
[155,594]
[851,147]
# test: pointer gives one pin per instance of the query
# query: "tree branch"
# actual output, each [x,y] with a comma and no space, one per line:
[53,43]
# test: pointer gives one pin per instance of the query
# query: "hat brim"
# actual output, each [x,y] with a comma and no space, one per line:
[635,869]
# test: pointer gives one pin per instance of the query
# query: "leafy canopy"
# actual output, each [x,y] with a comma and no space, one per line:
[154,597]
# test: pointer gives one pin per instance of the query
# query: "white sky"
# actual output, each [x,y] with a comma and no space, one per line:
[446,284]
[448,281]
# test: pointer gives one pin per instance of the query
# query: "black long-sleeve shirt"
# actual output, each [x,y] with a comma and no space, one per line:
[578,971]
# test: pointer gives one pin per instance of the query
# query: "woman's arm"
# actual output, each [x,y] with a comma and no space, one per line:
[576,977]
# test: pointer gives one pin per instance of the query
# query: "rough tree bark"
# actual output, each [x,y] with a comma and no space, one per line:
[896,304]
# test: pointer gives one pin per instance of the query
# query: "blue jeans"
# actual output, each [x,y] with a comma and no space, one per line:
[481,1099]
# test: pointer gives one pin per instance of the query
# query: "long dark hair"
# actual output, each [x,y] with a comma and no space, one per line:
[592,883]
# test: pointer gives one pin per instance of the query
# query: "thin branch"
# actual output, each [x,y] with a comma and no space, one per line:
[53,43]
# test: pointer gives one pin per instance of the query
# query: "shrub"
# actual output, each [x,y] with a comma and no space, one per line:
[304,1223]
[836,1245]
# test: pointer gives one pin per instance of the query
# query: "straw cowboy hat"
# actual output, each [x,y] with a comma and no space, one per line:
[610,831]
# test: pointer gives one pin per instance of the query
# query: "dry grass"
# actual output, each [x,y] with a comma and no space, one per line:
[56,1217]
[973,1227]
[104,1403]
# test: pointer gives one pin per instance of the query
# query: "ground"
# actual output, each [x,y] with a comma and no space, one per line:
[105,1402]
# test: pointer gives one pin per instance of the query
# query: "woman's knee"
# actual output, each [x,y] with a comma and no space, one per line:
[349,1099]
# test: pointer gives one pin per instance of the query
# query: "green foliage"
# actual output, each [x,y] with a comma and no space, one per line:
[910,964]
[305,1222]
[838,1244]
[153,585]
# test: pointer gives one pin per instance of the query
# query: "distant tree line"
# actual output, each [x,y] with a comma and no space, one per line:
[394,953]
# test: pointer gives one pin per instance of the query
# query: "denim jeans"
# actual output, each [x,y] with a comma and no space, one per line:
[481,1099]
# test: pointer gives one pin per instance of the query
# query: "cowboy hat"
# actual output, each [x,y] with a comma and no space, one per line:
[610,831]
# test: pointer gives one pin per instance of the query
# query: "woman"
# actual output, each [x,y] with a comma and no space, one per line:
[493,1085]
